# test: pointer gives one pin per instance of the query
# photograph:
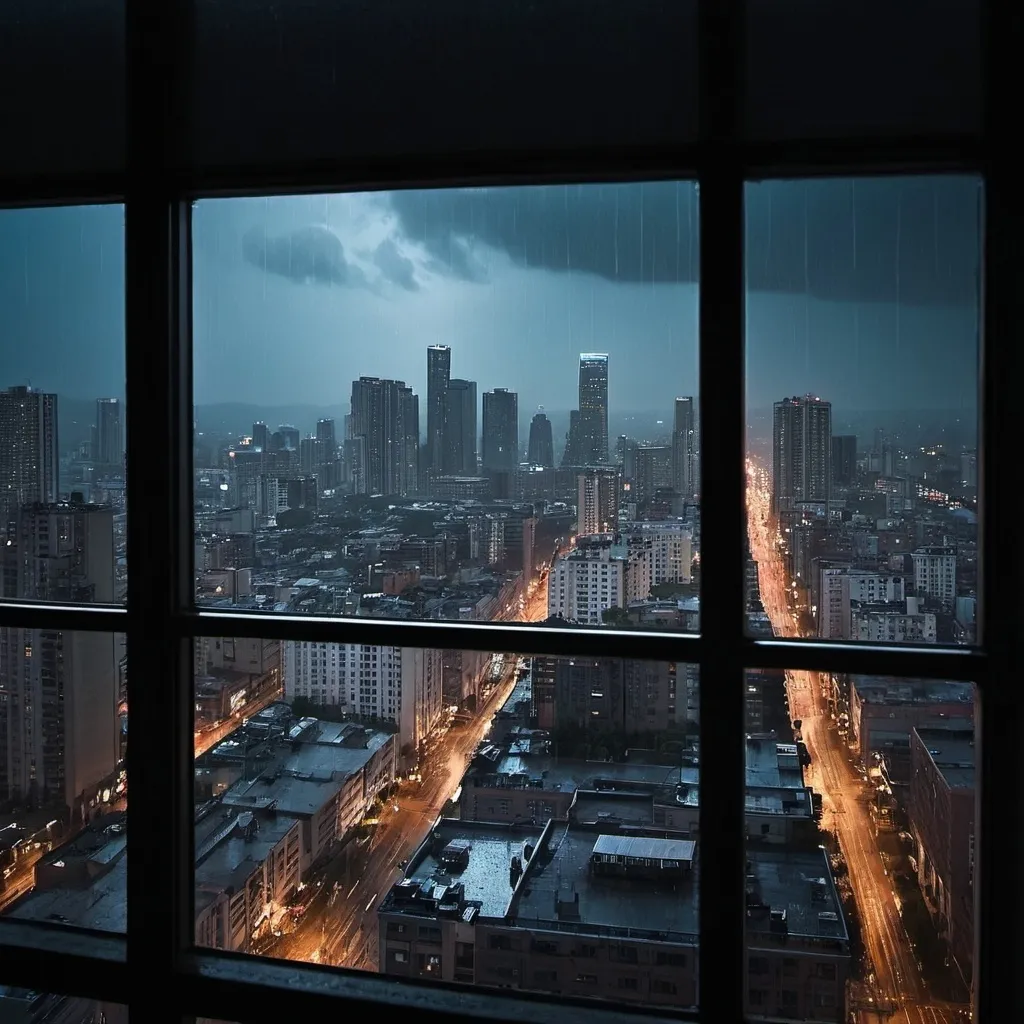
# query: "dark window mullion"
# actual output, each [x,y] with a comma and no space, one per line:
[998,950]
[723,521]
[160,916]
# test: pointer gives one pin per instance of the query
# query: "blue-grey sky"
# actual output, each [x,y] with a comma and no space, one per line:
[863,292]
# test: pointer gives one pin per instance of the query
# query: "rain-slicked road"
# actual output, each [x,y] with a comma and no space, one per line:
[899,989]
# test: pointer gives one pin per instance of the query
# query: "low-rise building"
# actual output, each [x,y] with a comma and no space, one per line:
[247,867]
[327,778]
[599,911]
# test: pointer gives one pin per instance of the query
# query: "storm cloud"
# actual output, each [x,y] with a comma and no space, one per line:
[913,240]
[395,267]
[311,254]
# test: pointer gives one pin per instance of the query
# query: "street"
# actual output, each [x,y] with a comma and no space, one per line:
[896,989]
[340,927]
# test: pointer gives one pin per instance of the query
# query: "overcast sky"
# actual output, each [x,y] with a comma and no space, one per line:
[862,292]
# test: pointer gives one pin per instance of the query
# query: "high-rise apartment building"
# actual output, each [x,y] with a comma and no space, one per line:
[683,448]
[397,684]
[594,408]
[597,501]
[935,575]
[844,459]
[439,372]
[599,574]
[541,450]
[500,450]
[109,432]
[459,453]
[386,414]
[28,451]
[59,726]
[801,453]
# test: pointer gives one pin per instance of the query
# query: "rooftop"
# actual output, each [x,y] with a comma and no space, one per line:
[230,846]
[102,906]
[485,874]
[952,752]
[560,874]
[799,883]
[893,690]
[308,772]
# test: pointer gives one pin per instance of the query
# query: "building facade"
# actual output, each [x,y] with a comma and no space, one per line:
[801,453]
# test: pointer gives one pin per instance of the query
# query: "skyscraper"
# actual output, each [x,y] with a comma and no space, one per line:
[844,459]
[683,437]
[28,451]
[439,372]
[572,456]
[500,451]
[260,436]
[386,414]
[460,428]
[801,452]
[597,501]
[541,451]
[593,408]
[59,727]
[109,432]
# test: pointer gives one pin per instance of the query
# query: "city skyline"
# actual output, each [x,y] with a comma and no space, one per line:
[296,297]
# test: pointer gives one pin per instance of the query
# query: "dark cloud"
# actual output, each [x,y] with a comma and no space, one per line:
[398,269]
[915,239]
[309,254]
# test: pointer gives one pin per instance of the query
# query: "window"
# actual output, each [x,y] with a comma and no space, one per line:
[176,119]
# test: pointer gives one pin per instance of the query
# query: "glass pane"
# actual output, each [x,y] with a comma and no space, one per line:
[451,815]
[63,788]
[450,404]
[866,81]
[19,1005]
[860,847]
[863,318]
[62,65]
[62,422]
[270,76]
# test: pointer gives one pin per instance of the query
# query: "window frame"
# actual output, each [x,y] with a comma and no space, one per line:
[157,955]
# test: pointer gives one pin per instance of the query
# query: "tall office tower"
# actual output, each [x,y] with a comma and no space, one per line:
[28,451]
[326,466]
[260,436]
[409,441]
[286,437]
[594,408]
[381,413]
[652,471]
[500,452]
[459,431]
[59,731]
[308,455]
[439,374]
[109,432]
[597,502]
[572,456]
[683,438]
[844,459]
[325,434]
[801,453]
[541,451]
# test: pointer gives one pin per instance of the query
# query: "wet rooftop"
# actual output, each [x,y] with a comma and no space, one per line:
[486,873]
